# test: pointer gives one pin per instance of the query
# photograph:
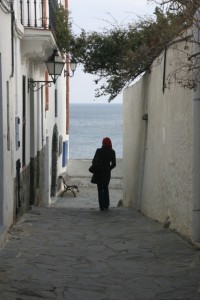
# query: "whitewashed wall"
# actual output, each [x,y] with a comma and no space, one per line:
[11,93]
[158,152]
[7,163]
[60,120]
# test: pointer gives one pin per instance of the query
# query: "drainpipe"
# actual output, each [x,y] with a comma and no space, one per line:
[196,144]
[67,83]
[67,94]
[44,21]
[12,39]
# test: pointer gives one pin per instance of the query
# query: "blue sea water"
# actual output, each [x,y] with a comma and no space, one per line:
[89,124]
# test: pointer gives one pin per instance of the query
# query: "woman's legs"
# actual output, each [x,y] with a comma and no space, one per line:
[103,194]
[100,196]
[106,197]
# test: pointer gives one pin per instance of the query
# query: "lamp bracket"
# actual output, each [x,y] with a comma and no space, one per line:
[32,84]
[66,73]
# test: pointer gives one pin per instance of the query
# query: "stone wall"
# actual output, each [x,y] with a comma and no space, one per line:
[78,170]
[22,192]
[30,189]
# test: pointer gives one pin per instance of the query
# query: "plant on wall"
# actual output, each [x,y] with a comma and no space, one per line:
[63,29]
[119,55]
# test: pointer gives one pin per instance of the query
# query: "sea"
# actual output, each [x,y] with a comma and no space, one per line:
[89,124]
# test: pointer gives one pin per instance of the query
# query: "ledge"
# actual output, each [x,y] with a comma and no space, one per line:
[37,44]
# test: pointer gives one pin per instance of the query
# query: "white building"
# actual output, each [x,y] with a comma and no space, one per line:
[162,144]
[33,124]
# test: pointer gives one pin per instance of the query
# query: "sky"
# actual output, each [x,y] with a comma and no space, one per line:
[95,15]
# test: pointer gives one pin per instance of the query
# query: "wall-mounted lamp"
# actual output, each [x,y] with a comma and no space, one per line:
[55,66]
[73,65]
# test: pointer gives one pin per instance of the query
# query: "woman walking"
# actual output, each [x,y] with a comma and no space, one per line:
[104,161]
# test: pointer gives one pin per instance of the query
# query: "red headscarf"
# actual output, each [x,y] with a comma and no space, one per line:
[107,142]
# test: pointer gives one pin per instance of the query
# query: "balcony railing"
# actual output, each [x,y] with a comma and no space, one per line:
[39,14]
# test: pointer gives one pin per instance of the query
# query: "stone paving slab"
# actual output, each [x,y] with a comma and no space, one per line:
[87,197]
[81,253]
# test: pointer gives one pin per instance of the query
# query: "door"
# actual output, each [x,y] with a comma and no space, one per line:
[47,173]
[1,147]
[23,121]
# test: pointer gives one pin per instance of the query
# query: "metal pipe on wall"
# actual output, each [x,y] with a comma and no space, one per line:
[67,82]
[12,40]
[196,145]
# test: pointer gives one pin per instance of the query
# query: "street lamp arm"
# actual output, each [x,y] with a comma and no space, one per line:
[55,66]
[66,73]
[32,84]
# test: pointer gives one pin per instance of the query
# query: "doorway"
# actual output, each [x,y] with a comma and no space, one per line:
[1,147]
[142,162]
[54,161]
[47,181]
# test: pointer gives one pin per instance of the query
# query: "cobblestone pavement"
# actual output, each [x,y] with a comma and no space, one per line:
[81,253]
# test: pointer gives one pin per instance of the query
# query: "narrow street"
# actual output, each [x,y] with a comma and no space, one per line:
[73,251]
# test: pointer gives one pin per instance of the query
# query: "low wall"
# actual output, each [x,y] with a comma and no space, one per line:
[78,170]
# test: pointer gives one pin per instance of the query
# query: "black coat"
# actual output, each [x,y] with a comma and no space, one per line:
[104,160]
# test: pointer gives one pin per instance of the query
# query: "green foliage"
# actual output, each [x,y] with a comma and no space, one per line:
[188,7]
[63,29]
[120,55]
